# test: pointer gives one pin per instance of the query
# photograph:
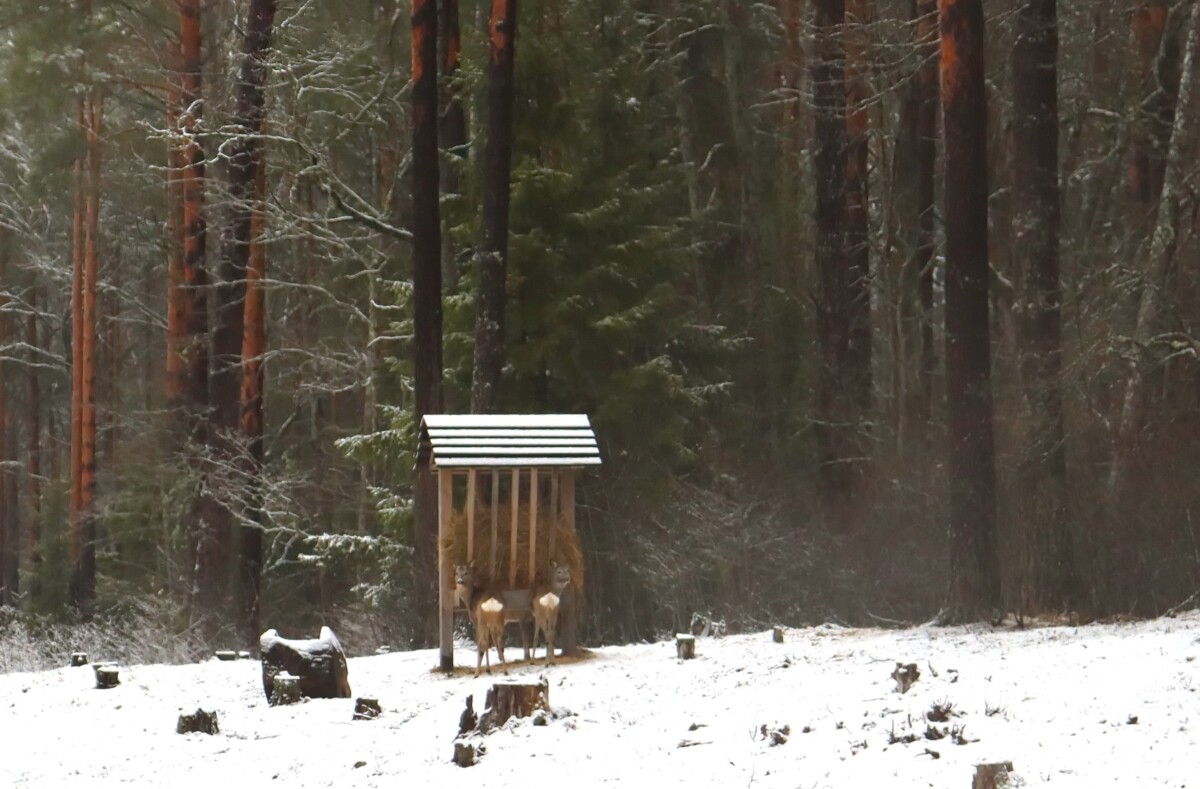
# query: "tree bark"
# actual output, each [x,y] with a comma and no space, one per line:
[245,264]
[87,451]
[177,296]
[34,406]
[840,392]
[1036,224]
[857,229]
[207,571]
[427,296]
[974,566]
[9,532]
[75,539]
[1160,265]
[453,122]
[497,173]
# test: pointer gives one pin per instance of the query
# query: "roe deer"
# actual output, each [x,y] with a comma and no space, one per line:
[546,599]
[486,612]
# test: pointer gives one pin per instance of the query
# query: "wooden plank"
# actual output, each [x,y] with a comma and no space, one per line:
[445,575]
[516,505]
[494,517]
[440,433]
[489,449]
[487,440]
[554,510]
[533,507]
[470,507]
[514,462]
[568,621]
[432,421]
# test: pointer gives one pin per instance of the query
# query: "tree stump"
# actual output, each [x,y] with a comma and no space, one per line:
[992,776]
[777,634]
[905,675]
[199,722]
[79,659]
[466,753]
[367,709]
[468,720]
[226,654]
[284,690]
[107,676]
[685,646]
[319,663]
[513,700]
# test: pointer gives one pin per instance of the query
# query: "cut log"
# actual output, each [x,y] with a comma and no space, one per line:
[777,634]
[367,709]
[107,676]
[513,700]
[226,654]
[198,722]
[685,646]
[992,776]
[319,663]
[79,659]
[905,675]
[284,690]
[466,753]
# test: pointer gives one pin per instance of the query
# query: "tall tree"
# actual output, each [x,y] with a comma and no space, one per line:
[246,258]
[857,220]
[497,177]
[177,296]
[34,467]
[427,294]
[76,541]
[87,431]
[9,531]
[1036,212]
[974,565]
[208,570]
[843,388]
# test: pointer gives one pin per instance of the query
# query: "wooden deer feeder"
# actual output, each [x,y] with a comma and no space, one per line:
[506,501]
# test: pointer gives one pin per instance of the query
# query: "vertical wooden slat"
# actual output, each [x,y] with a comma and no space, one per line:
[494,517]
[445,579]
[568,621]
[470,507]
[554,510]
[533,507]
[512,552]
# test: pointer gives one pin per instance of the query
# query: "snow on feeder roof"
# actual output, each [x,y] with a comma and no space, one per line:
[507,441]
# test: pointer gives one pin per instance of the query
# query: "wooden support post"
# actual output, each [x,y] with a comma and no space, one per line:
[494,517]
[512,551]
[554,510]
[533,507]
[470,506]
[445,576]
[568,619]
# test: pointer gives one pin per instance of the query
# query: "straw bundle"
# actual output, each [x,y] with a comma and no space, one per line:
[566,544]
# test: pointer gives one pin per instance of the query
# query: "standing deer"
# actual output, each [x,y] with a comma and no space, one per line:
[486,612]
[546,598]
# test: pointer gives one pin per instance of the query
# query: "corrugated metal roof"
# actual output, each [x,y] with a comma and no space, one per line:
[507,440]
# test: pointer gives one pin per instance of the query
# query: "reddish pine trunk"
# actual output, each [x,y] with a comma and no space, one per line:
[927,117]
[245,264]
[207,575]
[497,173]
[427,292]
[1036,212]
[87,444]
[974,567]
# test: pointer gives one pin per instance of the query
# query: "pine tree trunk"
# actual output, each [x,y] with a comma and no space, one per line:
[34,411]
[974,566]
[207,571]
[245,261]
[1036,222]
[930,91]
[1160,264]
[9,539]
[87,451]
[497,172]
[75,538]
[856,222]
[452,130]
[177,296]
[427,294]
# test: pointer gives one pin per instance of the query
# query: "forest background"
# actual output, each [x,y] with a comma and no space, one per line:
[880,309]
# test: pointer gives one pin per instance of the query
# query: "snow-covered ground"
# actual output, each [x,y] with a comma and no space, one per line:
[1111,705]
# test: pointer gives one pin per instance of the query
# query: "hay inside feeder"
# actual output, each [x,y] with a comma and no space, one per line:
[566,544]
